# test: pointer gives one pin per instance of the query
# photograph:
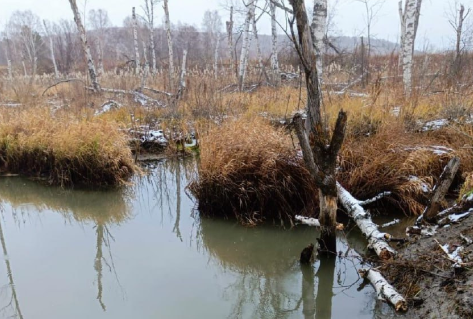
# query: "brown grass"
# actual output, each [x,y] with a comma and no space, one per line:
[62,149]
[249,171]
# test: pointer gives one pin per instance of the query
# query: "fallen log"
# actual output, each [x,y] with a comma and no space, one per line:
[377,240]
[383,289]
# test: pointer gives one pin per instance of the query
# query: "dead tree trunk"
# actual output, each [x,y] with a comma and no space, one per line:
[217,45]
[182,79]
[135,42]
[245,46]
[229,25]
[319,27]
[85,47]
[322,157]
[98,46]
[51,49]
[409,24]
[169,38]
[275,74]
[149,11]
[7,57]
[258,47]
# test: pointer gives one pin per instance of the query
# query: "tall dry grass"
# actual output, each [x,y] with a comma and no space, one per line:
[249,171]
[62,149]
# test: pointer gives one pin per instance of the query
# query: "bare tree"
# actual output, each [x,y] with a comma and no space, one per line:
[245,47]
[276,77]
[135,42]
[149,16]
[85,47]
[319,30]
[167,23]
[409,24]
[320,154]
[51,47]
[457,21]
[7,50]
[100,22]
[229,25]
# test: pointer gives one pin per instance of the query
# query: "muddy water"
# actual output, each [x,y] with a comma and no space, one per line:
[142,252]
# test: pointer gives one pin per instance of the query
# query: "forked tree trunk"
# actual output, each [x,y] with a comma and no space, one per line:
[135,42]
[245,46]
[85,46]
[230,41]
[169,38]
[321,157]
[275,74]
[319,28]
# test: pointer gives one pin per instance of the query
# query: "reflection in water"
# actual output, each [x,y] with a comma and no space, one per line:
[167,257]
[10,275]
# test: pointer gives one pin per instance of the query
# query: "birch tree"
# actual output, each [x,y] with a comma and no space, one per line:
[409,23]
[319,29]
[167,23]
[100,22]
[276,77]
[85,47]
[319,153]
[259,54]
[457,21]
[51,47]
[135,41]
[229,25]
[149,16]
[245,47]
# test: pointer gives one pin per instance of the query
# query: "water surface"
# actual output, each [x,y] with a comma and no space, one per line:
[143,252]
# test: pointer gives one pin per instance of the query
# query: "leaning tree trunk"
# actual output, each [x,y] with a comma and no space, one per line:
[135,41]
[85,47]
[319,27]
[245,46]
[169,38]
[275,74]
[230,41]
[321,157]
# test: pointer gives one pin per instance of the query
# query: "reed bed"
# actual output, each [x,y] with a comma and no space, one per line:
[63,149]
[249,171]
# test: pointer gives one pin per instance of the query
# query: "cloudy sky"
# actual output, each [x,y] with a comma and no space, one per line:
[349,17]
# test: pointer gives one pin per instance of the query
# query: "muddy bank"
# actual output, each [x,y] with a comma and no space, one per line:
[426,277]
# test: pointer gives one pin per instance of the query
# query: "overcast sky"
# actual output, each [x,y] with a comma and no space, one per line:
[349,17]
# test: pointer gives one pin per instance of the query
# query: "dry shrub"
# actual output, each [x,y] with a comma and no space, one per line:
[406,164]
[63,149]
[249,171]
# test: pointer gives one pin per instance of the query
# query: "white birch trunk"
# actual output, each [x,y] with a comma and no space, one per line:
[98,46]
[411,20]
[376,239]
[85,46]
[169,38]
[384,290]
[182,80]
[245,46]
[230,41]
[51,49]
[403,31]
[217,45]
[149,8]
[145,55]
[276,77]
[135,42]
[319,28]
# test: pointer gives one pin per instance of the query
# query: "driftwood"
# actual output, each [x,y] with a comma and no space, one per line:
[377,240]
[383,289]
[314,222]
[440,190]
[454,256]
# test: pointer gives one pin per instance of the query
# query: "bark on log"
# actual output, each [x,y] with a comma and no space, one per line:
[314,222]
[440,189]
[376,239]
[383,289]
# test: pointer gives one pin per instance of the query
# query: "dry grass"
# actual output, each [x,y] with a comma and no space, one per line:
[249,171]
[63,149]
